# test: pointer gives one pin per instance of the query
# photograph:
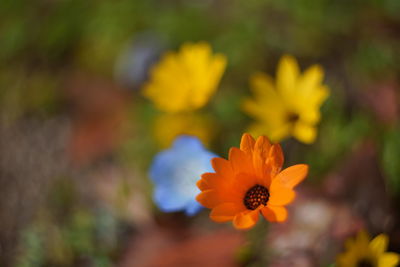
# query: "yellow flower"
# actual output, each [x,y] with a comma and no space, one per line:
[185,81]
[363,252]
[168,126]
[290,106]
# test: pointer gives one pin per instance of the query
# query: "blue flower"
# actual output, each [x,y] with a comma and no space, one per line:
[175,172]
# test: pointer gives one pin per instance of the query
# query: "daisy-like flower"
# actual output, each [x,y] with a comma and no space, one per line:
[291,105]
[249,183]
[364,252]
[185,81]
[174,173]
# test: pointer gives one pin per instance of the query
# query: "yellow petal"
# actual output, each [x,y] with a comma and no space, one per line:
[278,133]
[265,95]
[305,132]
[361,243]
[379,244]
[207,77]
[167,126]
[344,260]
[217,68]
[275,133]
[309,109]
[268,106]
[185,80]
[310,80]
[310,115]
[388,259]
[252,108]
[287,76]
[262,85]
[276,110]
[319,96]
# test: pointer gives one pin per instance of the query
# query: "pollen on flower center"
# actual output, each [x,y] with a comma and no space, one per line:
[256,196]
[364,263]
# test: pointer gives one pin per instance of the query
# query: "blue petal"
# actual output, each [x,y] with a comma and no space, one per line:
[168,201]
[175,172]
[163,166]
[192,208]
[188,143]
[185,148]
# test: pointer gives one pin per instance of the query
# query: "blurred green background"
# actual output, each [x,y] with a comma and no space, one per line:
[74,129]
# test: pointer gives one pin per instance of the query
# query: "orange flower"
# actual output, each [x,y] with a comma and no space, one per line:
[250,182]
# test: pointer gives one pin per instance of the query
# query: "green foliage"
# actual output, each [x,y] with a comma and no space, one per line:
[374,57]
[33,251]
[67,232]
[390,156]
[338,133]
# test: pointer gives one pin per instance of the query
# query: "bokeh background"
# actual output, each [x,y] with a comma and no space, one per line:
[77,136]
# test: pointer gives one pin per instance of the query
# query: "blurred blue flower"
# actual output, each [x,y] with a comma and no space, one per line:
[134,62]
[175,172]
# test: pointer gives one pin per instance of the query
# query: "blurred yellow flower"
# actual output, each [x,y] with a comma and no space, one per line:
[290,106]
[363,252]
[185,81]
[168,126]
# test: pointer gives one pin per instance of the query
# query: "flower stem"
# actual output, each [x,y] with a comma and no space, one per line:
[254,252]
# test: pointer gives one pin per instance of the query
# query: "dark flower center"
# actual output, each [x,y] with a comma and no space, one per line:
[364,263]
[256,196]
[292,117]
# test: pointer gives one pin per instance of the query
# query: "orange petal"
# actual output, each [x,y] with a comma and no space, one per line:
[203,185]
[280,195]
[261,150]
[226,212]
[231,187]
[246,219]
[213,180]
[263,146]
[274,213]
[240,161]
[275,159]
[293,175]
[244,182]
[247,144]
[210,198]
[222,167]
[210,177]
